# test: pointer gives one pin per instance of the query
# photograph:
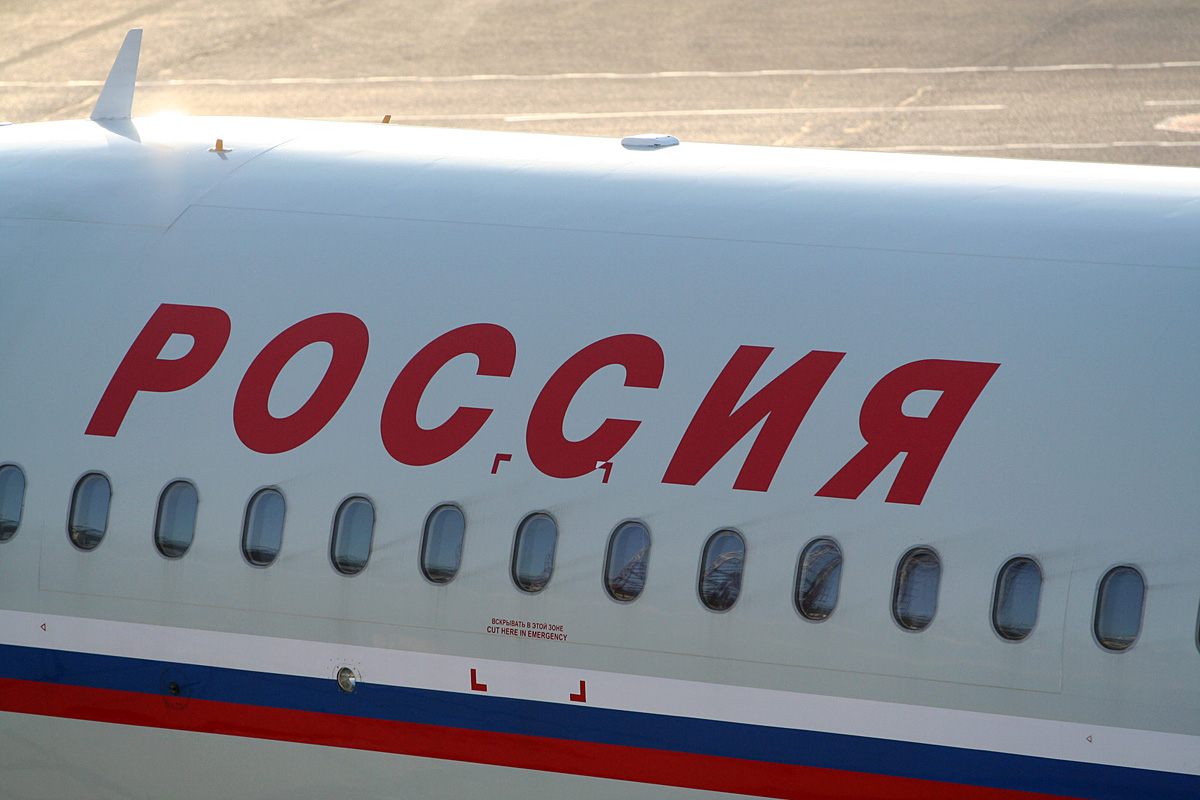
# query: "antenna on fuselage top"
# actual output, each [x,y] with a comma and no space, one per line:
[116,98]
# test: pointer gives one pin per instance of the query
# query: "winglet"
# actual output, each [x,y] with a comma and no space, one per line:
[116,98]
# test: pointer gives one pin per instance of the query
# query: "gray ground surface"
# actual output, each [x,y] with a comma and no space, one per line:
[1091,80]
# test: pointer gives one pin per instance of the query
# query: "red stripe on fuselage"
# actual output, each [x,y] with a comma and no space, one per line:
[642,765]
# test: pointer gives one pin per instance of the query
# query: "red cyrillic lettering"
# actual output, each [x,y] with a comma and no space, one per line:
[264,433]
[717,427]
[143,371]
[889,432]
[408,442]
[553,453]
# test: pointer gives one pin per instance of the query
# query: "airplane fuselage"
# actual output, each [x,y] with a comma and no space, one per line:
[942,367]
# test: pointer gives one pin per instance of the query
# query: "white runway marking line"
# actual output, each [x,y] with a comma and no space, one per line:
[1171,102]
[965,148]
[610,76]
[684,112]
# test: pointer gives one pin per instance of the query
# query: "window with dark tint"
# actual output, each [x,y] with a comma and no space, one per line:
[89,511]
[442,544]
[262,530]
[818,578]
[914,600]
[12,500]
[1015,605]
[1119,608]
[533,552]
[625,564]
[353,529]
[175,526]
[1198,630]
[721,570]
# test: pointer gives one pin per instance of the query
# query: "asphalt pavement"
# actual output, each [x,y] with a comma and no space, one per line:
[1088,80]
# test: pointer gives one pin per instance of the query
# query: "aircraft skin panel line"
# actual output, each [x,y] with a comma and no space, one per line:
[416,174]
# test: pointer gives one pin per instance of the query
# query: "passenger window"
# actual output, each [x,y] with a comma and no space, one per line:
[533,552]
[353,530]
[89,511]
[818,578]
[914,601]
[262,529]
[1015,604]
[12,500]
[721,570]
[625,564]
[442,544]
[175,524]
[1119,608]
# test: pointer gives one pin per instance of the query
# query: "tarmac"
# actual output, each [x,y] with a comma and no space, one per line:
[1089,80]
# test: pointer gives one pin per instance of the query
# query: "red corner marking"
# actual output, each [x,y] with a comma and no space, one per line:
[476,686]
[499,458]
[582,696]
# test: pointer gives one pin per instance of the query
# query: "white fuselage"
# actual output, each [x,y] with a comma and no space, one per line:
[1072,286]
